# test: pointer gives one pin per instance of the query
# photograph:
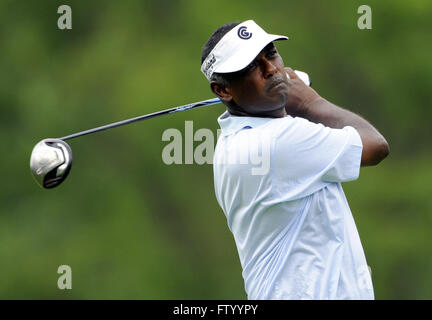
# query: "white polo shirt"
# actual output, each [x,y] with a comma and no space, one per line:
[278,181]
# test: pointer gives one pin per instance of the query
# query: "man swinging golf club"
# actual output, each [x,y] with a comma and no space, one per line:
[294,231]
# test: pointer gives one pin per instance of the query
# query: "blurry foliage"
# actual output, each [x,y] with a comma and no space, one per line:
[132,227]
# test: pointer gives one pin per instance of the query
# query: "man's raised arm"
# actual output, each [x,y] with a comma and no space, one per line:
[305,102]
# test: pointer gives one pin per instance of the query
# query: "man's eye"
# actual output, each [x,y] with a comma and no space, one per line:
[271,54]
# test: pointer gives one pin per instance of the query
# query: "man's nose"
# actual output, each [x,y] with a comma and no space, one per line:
[268,68]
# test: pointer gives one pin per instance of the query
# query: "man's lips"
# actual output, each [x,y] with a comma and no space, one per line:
[274,84]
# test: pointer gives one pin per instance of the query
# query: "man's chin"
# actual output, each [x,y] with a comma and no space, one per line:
[271,111]
[279,100]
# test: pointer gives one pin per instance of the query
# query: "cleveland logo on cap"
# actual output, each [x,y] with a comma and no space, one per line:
[243,34]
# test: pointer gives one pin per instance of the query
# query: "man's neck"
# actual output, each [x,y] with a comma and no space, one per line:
[279,113]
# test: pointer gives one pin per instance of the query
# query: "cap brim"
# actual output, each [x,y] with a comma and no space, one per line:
[246,55]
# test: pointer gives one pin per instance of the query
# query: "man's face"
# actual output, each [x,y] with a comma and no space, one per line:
[262,87]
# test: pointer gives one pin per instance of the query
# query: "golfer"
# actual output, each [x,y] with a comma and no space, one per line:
[293,228]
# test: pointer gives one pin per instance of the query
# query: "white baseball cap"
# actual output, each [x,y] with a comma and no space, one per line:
[237,49]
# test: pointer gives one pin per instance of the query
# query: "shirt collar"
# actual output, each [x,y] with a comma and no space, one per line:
[231,124]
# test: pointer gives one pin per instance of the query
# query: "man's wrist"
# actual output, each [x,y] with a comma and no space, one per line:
[310,104]
[307,106]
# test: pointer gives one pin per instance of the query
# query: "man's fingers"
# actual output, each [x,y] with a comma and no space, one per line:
[291,73]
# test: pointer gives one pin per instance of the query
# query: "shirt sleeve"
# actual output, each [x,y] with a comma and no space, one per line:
[307,155]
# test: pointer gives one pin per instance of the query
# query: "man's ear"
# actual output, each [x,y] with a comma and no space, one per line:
[221,91]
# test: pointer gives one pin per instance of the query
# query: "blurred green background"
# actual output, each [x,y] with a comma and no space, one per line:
[132,227]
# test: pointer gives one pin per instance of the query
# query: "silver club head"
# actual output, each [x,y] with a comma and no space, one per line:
[50,162]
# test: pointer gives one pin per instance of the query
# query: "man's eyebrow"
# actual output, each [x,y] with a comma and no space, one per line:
[266,49]
[269,47]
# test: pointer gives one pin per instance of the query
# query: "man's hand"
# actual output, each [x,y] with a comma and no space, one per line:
[299,95]
[305,102]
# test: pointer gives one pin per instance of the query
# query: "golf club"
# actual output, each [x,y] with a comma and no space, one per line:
[51,159]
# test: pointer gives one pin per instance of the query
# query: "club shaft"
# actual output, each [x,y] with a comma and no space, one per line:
[185,107]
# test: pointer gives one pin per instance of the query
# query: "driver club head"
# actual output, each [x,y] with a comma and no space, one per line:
[50,162]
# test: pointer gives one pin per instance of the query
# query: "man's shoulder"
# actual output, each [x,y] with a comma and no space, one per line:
[288,126]
[269,128]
